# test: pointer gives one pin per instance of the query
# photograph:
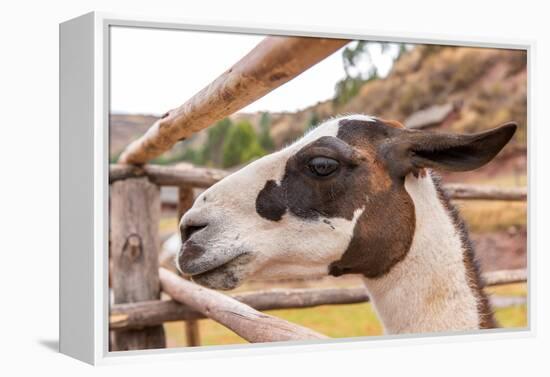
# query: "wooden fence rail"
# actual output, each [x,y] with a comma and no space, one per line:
[168,175]
[244,320]
[151,313]
[478,192]
[206,177]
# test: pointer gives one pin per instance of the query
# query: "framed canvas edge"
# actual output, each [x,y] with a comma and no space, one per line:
[102,23]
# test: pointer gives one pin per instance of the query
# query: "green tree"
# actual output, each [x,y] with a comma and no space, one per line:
[193,156]
[313,121]
[265,138]
[212,149]
[360,68]
[349,87]
[241,145]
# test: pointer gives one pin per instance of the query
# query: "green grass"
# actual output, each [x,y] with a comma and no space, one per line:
[512,316]
[338,321]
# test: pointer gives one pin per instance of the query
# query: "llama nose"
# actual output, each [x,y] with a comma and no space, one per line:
[188,230]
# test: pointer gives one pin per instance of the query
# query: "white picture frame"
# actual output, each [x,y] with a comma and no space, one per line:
[84,185]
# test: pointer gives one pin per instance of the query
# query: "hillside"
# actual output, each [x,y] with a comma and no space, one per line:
[490,86]
[486,87]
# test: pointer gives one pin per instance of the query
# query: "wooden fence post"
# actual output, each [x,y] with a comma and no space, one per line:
[185,202]
[135,216]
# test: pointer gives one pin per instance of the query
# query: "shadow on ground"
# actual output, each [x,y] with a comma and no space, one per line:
[52,345]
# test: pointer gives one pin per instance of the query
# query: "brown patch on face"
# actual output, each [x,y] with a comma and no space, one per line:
[270,203]
[381,238]
[384,231]
[308,196]
[379,178]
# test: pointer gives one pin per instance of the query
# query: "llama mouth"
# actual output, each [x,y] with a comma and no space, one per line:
[226,276]
[194,259]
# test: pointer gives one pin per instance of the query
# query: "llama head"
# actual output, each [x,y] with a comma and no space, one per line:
[333,203]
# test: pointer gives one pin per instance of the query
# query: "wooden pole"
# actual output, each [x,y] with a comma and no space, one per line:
[479,192]
[150,313]
[168,175]
[273,62]
[135,215]
[505,277]
[185,202]
[247,322]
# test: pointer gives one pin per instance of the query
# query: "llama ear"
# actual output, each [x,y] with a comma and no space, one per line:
[451,152]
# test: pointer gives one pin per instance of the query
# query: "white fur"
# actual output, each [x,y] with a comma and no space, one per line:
[286,255]
[428,290]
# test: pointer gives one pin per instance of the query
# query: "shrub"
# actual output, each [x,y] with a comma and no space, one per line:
[212,149]
[265,138]
[241,145]
[312,122]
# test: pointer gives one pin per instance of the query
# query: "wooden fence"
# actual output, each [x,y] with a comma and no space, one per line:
[137,313]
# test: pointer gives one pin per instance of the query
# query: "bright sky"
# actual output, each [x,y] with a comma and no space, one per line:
[155,70]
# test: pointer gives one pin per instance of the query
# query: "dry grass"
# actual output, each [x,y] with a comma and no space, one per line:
[512,316]
[488,216]
[516,290]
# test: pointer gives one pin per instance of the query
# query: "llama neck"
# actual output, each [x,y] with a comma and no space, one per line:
[432,289]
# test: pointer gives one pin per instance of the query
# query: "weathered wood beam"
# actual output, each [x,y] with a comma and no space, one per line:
[168,175]
[245,321]
[505,277]
[150,313]
[478,192]
[142,314]
[273,62]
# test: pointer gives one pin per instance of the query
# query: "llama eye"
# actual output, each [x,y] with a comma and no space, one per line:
[323,166]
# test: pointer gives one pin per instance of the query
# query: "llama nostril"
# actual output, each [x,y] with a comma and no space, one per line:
[188,231]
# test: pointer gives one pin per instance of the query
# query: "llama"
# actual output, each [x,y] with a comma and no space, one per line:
[356,195]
